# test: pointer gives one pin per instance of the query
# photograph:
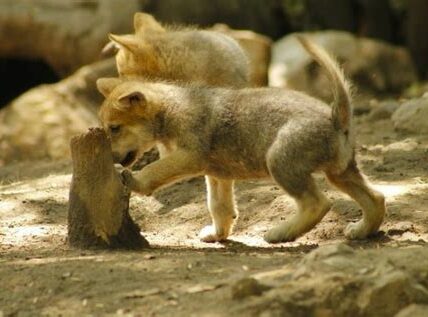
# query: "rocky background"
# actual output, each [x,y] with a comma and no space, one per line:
[46,99]
[49,61]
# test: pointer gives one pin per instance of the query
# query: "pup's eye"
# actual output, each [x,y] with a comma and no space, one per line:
[114,129]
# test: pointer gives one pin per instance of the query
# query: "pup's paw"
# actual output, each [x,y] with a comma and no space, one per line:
[281,233]
[359,230]
[129,181]
[209,234]
[127,178]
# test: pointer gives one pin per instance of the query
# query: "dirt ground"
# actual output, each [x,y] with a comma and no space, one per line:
[320,274]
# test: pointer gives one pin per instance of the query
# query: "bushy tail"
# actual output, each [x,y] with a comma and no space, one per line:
[342,108]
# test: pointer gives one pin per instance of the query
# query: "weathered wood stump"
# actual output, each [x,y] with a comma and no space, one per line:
[98,203]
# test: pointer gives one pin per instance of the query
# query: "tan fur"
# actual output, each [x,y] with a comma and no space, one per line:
[184,55]
[144,22]
[180,54]
[240,134]
[341,107]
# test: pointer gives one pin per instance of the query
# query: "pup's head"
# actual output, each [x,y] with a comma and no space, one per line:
[145,23]
[136,56]
[128,118]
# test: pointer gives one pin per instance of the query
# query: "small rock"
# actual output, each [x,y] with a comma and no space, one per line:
[123,311]
[383,110]
[199,288]
[412,116]
[373,66]
[142,293]
[408,145]
[329,251]
[66,275]
[247,287]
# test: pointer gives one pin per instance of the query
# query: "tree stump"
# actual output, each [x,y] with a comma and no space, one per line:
[98,215]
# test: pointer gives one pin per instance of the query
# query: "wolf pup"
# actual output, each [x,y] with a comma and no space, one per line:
[241,134]
[180,54]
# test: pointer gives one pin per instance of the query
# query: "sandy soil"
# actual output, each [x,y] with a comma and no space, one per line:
[181,276]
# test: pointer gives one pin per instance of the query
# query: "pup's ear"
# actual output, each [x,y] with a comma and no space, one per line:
[145,22]
[106,85]
[109,49]
[128,42]
[132,100]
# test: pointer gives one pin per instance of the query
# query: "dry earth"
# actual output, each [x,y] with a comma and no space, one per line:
[320,274]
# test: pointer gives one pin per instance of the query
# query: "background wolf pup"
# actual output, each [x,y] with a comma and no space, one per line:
[239,134]
[180,54]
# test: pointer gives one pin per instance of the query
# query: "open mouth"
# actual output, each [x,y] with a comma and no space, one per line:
[129,158]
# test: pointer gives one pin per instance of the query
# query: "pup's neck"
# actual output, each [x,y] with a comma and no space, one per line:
[170,103]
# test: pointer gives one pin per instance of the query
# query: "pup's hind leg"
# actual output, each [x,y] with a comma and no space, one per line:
[221,204]
[352,182]
[291,164]
[312,205]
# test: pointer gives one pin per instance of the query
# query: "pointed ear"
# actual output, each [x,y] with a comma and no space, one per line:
[109,49]
[133,99]
[128,42]
[106,85]
[145,22]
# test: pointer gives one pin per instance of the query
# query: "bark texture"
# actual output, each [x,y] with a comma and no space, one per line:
[98,204]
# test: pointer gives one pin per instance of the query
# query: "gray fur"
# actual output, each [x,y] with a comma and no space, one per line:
[245,133]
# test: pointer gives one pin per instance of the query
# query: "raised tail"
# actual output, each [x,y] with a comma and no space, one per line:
[342,107]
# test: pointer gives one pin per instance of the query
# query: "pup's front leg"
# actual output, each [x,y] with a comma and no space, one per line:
[178,165]
[221,205]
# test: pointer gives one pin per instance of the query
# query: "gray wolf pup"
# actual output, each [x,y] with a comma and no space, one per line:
[245,133]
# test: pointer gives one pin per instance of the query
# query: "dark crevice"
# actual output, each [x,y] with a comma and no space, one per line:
[19,75]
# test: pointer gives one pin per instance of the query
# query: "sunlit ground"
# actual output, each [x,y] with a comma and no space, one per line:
[35,212]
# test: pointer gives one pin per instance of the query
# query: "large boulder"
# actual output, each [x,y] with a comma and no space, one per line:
[338,280]
[65,34]
[412,116]
[373,66]
[40,123]
[383,109]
